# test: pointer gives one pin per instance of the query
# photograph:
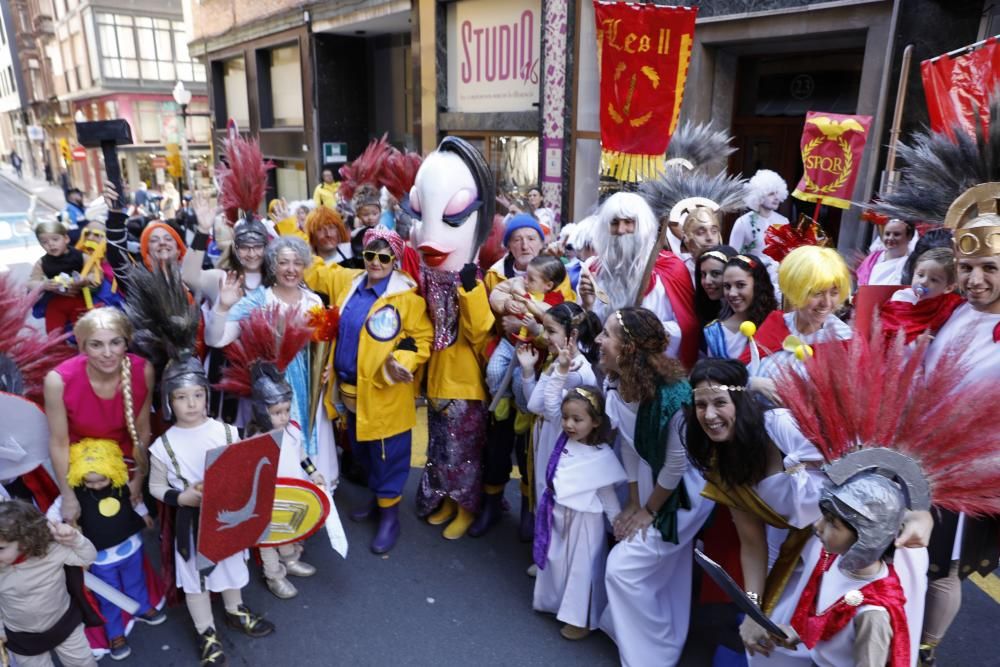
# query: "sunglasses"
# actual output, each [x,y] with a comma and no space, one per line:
[383,257]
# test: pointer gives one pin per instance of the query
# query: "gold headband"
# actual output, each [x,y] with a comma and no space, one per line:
[590,396]
[749,261]
[715,254]
[717,387]
[621,321]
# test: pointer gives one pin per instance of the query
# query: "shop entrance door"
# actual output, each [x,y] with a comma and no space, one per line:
[773,94]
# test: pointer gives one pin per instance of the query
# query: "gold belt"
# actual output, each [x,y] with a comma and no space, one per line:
[349,396]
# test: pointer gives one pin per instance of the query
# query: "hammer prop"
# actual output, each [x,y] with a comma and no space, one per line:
[108,134]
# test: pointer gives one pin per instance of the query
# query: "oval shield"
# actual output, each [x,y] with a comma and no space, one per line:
[300,509]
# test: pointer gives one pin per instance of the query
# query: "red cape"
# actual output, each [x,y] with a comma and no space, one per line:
[672,272]
[915,318]
[770,336]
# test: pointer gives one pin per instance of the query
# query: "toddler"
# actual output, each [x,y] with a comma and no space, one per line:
[571,543]
[923,308]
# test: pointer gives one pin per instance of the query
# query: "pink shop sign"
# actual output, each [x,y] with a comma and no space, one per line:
[494,50]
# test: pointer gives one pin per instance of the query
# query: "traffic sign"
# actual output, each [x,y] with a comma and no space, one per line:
[159,162]
[79,153]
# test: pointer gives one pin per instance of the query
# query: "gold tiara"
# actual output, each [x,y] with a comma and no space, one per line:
[590,396]
[621,321]
[715,254]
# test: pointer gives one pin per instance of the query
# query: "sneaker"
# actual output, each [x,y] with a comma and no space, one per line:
[253,625]
[211,649]
[120,649]
[152,617]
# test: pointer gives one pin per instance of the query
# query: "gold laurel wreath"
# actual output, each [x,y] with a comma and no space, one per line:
[844,174]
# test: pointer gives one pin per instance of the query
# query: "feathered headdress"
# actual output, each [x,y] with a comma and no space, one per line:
[938,169]
[400,172]
[702,146]
[367,168]
[26,354]
[270,336]
[243,177]
[861,398]
[679,183]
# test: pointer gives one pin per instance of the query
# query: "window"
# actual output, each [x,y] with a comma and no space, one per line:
[286,87]
[117,46]
[234,81]
[187,68]
[149,121]
[290,180]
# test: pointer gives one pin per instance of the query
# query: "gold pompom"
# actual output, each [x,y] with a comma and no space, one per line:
[109,507]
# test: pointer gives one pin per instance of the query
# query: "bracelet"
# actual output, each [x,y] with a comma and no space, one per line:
[651,512]
[308,466]
[753,597]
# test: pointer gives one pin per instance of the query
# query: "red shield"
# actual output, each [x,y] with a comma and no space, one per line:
[237,497]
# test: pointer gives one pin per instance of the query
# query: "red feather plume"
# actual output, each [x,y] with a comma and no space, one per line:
[779,240]
[400,172]
[367,168]
[871,392]
[324,322]
[33,352]
[244,179]
[270,335]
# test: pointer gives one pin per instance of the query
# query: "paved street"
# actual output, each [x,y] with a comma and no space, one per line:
[18,247]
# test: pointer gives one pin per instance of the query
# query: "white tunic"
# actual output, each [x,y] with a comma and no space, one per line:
[833,329]
[748,239]
[189,446]
[548,428]
[887,271]
[648,580]
[571,585]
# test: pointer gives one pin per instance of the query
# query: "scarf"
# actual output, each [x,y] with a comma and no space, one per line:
[915,318]
[814,627]
[651,444]
[543,514]
[440,290]
[69,262]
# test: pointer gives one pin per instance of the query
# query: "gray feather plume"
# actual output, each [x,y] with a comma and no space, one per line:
[938,169]
[702,145]
[679,183]
[165,322]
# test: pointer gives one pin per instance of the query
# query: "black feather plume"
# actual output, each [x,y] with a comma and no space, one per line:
[938,168]
[164,319]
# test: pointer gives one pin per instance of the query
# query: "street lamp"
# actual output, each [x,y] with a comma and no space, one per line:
[183,97]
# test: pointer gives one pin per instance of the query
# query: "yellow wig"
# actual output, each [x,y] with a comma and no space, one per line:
[103,457]
[812,269]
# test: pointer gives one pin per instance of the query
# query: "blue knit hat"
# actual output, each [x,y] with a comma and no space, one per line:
[520,221]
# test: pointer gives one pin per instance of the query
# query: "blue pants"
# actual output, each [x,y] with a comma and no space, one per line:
[386,461]
[128,576]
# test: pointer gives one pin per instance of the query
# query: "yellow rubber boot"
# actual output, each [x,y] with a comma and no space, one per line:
[444,513]
[459,525]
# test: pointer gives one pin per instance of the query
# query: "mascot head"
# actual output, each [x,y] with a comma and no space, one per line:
[452,204]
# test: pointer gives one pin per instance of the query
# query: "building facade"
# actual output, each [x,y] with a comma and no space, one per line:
[313,82]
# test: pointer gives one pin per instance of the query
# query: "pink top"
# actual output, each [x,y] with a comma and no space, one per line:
[88,415]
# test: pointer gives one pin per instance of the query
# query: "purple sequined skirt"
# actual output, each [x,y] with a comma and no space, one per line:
[456,437]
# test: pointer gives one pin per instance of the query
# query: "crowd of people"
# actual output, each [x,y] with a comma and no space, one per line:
[658,389]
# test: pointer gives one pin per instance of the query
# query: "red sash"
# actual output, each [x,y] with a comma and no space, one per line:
[886,592]
[672,272]
[915,318]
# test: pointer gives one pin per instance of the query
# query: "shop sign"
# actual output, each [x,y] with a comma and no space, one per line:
[494,50]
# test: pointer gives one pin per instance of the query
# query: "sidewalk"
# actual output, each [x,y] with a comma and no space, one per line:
[49,196]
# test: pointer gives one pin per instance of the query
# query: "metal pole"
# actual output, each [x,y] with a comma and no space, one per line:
[186,171]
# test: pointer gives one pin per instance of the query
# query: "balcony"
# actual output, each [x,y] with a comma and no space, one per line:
[44,26]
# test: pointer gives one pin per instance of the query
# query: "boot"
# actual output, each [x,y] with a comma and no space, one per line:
[364,512]
[573,632]
[297,568]
[459,525]
[282,588]
[444,512]
[210,649]
[489,515]
[526,529]
[388,530]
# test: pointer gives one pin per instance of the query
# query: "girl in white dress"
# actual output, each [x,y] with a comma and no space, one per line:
[177,467]
[570,544]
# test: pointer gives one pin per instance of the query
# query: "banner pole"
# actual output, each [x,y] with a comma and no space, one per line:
[897,119]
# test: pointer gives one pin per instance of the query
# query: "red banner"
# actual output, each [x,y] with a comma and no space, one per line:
[832,147]
[643,51]
[958,88]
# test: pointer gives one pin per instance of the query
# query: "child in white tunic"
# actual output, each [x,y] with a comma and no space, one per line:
[570,544]
[177,468]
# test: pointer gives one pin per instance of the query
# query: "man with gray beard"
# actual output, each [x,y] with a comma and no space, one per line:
[625,237]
